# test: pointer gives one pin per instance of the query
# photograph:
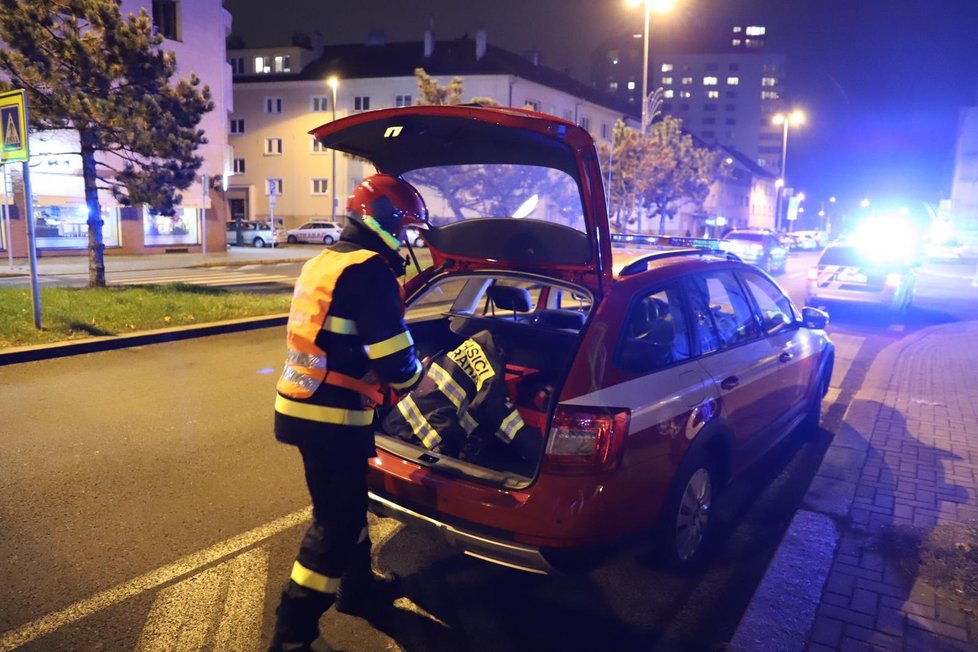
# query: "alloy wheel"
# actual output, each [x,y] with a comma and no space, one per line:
[694,514]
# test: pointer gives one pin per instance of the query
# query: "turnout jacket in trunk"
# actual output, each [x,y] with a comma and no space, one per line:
[346,336]
[462,402]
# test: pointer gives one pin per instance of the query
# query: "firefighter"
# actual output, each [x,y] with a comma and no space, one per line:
[346,336]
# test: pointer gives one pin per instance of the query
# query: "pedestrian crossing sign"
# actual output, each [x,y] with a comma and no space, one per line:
[13,127]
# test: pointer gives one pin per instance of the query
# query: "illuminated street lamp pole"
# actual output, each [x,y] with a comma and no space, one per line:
[333,83]
[660,6]
[796,118]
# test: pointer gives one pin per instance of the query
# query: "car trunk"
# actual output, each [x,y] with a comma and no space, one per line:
[539,344]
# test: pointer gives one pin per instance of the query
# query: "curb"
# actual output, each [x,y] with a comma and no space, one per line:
[208,264]
[797,573]
[111,342]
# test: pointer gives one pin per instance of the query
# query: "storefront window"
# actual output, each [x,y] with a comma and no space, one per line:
[66,227]
[180,228]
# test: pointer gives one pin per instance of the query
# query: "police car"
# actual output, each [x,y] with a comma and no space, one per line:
[650,375]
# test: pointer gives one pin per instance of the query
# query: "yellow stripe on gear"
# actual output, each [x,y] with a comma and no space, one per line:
[422,429]
[391,345]
[510,426]
[340,325]
[323,414]
[410,381]
[313,580]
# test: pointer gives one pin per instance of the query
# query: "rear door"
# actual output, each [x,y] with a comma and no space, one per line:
[742,364]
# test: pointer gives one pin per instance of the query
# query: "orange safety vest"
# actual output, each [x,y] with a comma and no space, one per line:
[305,363]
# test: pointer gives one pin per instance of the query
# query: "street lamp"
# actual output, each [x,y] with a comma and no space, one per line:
[333,83]
[795,118]
[660,6]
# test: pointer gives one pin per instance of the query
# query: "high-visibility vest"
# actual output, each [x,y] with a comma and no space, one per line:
[305,363]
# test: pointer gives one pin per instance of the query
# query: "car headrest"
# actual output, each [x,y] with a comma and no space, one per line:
[509,297]
[557,318]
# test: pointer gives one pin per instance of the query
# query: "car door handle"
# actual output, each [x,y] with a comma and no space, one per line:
[784,357]
[729,382]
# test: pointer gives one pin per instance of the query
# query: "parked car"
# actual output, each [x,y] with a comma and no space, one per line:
[412,237]
[255,233]
[847,274]
[317,231]
[649,378]
[760,247]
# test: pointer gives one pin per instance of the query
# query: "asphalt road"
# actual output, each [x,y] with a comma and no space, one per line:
[145,506]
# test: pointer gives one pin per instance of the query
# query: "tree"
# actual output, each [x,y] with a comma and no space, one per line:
[87,68]
[658,173]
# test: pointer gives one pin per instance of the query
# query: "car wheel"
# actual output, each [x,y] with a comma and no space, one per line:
[418,242]
[258,242]
[292,239]
[328,240]
[689,518]
[814,412]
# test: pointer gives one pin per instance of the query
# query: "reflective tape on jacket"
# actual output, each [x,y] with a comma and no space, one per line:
[456,394]
[305,363]
[419,425]
[418,370]
[510,426]
[323,414]
[391,345]
[310,579]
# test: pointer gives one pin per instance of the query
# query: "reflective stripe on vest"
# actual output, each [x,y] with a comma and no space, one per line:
[418,370]
[456,394]
[310,579]
[323,414]
[510,426]
[391,345]
[409,410]
[305,362]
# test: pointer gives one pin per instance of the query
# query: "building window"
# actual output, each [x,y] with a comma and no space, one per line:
[631,85]
[733,81]
[733,67]
[166,19]
[237,65]
[361,103]
[709,121]
[710,81]
[755,30]
[283,63]
[568,115]
[317,147]
[709,135]
[669,93]
[605,131]
[736,42]
[712,67]
[320,186]
[273,183]
[771,68]
[730,107]
[402,100]
[713,95]
[667,67]
[585,123]
[731,121]
[667,107]
[273,105]
[532,104]
[667,80]
[320,103]
[263,65]
[273,146]
[237,125]
[770,95]
[687,81]
[684,107]
[612,86]
[731,95]
[239,166]
[685,94]
[709,107]
[769,81]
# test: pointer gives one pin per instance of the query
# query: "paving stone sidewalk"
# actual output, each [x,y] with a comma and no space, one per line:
[897,492]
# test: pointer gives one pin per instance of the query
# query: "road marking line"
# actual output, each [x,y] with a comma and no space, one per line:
[183,616]
[15,638]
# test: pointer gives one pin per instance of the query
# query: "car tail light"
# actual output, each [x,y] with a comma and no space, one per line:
[813,273]
[586,440]
[893,280]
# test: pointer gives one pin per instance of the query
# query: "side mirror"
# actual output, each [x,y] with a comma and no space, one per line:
[814,318]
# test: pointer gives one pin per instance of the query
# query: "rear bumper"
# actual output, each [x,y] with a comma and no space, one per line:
[886,298]
[497,551]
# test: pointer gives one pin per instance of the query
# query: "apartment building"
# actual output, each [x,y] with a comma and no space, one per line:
[963,211]
[280,94]
[195,31]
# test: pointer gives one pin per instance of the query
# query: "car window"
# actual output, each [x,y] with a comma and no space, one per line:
[719,301]
[655,331]
[848,256]
[774,307]
[753,237]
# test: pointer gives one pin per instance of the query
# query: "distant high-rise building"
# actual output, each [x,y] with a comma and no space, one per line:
[964,188]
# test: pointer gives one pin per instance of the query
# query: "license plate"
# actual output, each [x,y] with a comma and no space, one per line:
[852,277]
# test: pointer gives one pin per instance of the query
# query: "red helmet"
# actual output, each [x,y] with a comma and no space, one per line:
[390,200]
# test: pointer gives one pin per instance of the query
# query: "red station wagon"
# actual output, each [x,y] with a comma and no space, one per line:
[650,376]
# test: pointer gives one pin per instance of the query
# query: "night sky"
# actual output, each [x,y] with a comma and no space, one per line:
[882,81]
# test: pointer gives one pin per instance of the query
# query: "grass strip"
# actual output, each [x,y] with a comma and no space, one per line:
[78,313]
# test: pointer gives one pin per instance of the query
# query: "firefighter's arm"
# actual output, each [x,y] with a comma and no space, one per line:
[386,338]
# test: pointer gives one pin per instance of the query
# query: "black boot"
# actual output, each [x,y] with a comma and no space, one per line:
[318,645]
[366,593]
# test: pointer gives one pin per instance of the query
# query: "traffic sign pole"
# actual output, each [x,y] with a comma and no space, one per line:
[6,214]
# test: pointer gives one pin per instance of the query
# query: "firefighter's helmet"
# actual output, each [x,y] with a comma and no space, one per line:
[390,201]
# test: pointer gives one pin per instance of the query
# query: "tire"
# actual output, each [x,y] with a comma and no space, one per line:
[292,239]
[688,517]
[328,240]
[258,242]
[418,243]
